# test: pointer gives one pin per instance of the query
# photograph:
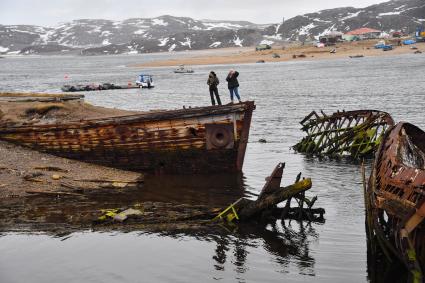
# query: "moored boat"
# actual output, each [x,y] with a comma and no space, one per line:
[183,70]
[395,196]
[191,140]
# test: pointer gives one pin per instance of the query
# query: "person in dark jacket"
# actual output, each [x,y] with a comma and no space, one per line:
[213,83]
[233,84]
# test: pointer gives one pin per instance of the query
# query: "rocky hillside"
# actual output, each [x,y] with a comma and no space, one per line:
[168,33]
[396,15]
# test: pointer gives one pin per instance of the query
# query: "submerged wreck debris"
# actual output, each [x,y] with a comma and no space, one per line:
[353,133]
[271,195]
[395,198]
[263,209]
[201,139]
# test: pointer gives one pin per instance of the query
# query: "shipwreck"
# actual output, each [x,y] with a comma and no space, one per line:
[355,134]
[395,197]
[190,140]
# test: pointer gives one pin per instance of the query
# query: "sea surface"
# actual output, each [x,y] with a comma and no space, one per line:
[284,93]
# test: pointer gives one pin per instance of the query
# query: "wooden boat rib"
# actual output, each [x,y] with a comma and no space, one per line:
[347,133]
[396,193]
[193,140]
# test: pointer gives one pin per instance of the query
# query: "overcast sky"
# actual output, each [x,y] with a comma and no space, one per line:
[52,12]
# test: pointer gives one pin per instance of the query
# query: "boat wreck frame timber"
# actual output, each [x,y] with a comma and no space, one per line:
[190,140]
[395,197]
[348,133]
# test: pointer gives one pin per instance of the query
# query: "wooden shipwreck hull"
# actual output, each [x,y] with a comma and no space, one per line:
[395,196]
[347,133]
[194,140]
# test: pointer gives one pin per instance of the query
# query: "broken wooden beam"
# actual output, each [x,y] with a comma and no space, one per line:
[254,207]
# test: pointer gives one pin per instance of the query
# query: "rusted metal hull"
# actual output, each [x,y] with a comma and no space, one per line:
[395,196]
[352,133]
[194,140]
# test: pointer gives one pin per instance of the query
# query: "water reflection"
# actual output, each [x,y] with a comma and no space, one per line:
[286,242]
[380,269]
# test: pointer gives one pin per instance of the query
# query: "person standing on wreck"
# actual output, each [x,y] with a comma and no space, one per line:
[233,84]
[213,83]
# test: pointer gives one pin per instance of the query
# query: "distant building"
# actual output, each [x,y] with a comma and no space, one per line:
[350,37]
[331,38]
[365,33]
[262,47]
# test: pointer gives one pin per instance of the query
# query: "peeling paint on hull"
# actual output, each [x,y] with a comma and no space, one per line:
[194,140]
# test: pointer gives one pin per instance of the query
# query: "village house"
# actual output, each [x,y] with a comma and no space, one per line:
[365,33]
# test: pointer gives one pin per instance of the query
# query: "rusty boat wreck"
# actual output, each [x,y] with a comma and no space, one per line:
[395,198]
[190,140]
[354,134]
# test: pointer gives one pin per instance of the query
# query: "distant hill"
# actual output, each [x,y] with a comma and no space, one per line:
[396,15]
[168,33]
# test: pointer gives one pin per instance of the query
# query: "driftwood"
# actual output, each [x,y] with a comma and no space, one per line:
[271,195]
[51,168]
[109,181]
[51,193]
[254,207]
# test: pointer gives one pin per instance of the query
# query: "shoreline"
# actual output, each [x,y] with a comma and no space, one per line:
[246,55]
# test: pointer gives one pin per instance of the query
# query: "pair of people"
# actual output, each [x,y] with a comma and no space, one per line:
[232,83]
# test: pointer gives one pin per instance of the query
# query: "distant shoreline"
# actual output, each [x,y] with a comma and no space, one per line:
[246,55]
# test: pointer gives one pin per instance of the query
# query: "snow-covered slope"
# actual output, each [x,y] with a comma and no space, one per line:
[168,33]
[396,15]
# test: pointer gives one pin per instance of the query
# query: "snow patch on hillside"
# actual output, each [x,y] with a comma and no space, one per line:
[268,42]
[163,41]
[211,26]
[106,33]
[351,15]
[3,49]
[159,22]
[139,31]
[186,43]
[172,47]
[238,42]
[215,44]
[305,30]
[389,14]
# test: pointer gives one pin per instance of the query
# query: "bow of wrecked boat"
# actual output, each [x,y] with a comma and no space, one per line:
[184,141]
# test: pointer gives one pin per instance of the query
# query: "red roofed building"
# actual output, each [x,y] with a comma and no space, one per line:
[365,33]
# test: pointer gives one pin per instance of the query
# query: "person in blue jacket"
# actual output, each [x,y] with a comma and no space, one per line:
[233,84]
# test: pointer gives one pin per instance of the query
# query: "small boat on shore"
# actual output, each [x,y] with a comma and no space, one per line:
[356,56]
[143,81]
[395,197]
[192,140]
[183,70]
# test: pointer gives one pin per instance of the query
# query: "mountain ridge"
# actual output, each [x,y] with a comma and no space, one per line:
[167,33]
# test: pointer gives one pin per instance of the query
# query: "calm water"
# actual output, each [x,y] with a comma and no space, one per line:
[284,93]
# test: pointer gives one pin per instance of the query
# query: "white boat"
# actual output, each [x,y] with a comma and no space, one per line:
[145,81]
[183,69]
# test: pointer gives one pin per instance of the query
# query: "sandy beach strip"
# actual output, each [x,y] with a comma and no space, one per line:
[308,52]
